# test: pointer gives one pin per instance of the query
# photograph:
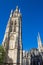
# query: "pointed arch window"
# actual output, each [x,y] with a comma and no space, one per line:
[15,26]
[11,26]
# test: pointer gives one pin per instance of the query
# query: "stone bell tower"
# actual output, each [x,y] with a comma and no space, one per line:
[12,41]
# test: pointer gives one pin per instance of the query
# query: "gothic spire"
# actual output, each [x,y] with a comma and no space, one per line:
[39,41]
[39,36]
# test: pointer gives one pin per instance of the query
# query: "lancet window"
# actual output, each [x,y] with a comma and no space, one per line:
[15,26]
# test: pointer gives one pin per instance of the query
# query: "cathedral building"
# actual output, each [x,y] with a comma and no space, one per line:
[12,43]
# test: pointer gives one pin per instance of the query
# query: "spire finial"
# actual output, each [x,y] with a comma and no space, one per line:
[17,7]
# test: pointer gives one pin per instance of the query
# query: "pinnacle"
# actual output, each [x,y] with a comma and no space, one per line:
[16,7]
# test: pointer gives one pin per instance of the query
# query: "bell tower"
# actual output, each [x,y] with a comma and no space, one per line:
[12,41]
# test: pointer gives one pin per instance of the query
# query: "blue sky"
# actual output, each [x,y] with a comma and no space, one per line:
[32,20]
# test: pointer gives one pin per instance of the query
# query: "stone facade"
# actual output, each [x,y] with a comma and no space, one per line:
[12,43]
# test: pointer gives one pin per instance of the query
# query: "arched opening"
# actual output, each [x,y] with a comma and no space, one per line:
[15,26]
